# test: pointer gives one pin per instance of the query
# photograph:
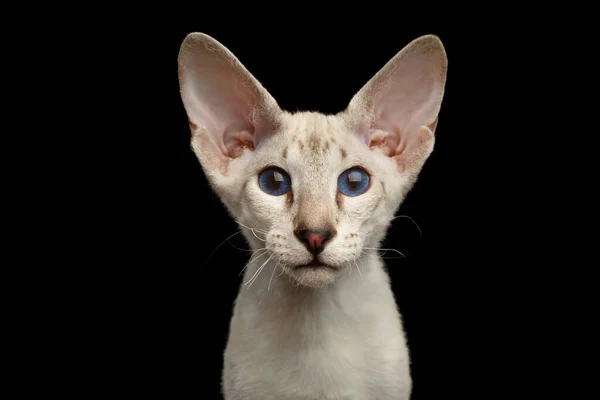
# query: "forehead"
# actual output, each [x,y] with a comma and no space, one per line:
[312,134]
[309,140]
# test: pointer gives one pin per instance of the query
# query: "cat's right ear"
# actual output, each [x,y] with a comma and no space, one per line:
[228,109]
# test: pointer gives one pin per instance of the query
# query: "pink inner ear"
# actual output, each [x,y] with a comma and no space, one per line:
[238,142]
[384,142]
[250,135]
[229,110]
[390,111]
[409,155]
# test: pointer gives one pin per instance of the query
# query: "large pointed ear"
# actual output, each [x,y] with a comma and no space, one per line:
[228,109]
[396,112]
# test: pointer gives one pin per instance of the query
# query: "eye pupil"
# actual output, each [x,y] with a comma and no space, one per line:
[274,181]
[353,182]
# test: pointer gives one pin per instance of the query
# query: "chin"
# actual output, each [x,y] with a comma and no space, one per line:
[313,275]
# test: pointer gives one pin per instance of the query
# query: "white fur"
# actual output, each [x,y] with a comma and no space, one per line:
[298,333]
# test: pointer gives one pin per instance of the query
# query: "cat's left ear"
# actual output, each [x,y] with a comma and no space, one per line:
[396,112]
[228,109]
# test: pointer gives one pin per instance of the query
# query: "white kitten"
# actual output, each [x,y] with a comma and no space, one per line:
[314,194]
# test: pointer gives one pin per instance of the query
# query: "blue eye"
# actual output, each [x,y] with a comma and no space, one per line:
[274,181]
[353,182]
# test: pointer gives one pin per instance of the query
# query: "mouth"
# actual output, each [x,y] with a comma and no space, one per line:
[315,274]
[315,264]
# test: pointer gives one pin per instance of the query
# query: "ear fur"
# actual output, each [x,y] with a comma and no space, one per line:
[396,112]
[228,109]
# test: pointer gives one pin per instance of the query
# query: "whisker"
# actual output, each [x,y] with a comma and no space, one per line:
[239,248]
[359,271]
[281,273]
[272,273]
[256,236]
[256,251]
[412,220]
[246,226]
[385,250]
[258,271]
[219,245]
[253,258]
[262,231]
[255,274]
[355,263]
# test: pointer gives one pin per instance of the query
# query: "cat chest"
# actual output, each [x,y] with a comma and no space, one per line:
[326,370]
[305,365]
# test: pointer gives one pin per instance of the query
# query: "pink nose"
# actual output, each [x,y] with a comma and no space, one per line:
[315,240]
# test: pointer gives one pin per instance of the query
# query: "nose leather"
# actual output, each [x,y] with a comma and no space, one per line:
[314,240]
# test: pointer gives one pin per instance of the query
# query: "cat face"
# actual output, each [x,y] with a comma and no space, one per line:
[315,191]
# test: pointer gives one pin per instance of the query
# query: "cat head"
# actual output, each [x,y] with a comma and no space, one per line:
[313,189]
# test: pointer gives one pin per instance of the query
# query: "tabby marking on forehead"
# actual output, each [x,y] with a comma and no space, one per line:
[314,142]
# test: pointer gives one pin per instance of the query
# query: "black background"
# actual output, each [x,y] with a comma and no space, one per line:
[160,322]
[110,235]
